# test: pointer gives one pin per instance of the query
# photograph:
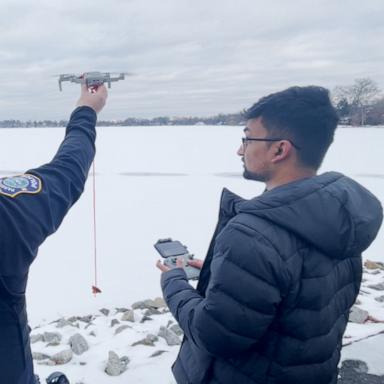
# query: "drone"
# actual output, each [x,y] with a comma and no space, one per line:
[92,79]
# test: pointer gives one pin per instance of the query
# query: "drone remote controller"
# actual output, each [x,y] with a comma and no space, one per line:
[172,250]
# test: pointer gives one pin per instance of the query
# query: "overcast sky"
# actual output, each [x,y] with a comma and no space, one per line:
[189,57]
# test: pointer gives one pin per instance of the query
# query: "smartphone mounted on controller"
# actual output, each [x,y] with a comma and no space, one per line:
[171,250]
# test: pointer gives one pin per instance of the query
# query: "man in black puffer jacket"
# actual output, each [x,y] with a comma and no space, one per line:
[283,269]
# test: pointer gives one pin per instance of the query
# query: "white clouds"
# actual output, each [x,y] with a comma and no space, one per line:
[191,57]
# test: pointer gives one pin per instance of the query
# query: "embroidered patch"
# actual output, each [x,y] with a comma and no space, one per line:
[13,186]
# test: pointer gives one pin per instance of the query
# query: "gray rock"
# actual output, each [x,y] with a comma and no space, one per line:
[374,265]
[380,299]
[145,304]
[121,310]
[115,365]
[86,319]
[148,304]
[170,337]
[92,333]
[176,328]
[145,318]
[157,353]
[78,344]
[114,322]
[121,329]
[46,362]
[36,338]
[62,357]
[52,338]
[104,311]
[39,356]
[356,372]
[358,315]
[378,287]
[149,340]
[160,303]
[63,323]
[128,316]
[152,311]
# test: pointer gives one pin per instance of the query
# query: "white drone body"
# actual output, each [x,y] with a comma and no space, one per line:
[91,79]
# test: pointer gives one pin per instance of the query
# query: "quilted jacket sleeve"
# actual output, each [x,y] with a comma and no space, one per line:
[248,281]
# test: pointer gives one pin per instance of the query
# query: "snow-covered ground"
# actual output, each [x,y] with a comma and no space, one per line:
[152,182]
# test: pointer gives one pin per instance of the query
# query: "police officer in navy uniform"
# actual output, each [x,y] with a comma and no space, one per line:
[32,206]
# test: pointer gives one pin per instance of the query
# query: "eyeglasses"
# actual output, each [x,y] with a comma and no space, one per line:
[245,140]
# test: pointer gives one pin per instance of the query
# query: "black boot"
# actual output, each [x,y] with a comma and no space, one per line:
[57,378]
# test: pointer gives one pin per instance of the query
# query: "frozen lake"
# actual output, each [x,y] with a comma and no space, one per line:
[152,182]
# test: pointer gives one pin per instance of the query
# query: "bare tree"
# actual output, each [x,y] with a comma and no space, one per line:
[359,96]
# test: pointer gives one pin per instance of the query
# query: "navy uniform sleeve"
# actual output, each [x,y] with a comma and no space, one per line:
[63,179]
[33,217]
[241,300]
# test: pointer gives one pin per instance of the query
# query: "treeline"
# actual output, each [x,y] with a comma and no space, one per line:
[221,119]
[358,104]
[361,103]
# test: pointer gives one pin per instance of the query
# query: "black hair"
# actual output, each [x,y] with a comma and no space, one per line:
[303,115]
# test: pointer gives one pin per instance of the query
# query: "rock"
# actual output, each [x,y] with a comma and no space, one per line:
[152,311]
[78,344]
[176,328]
[46,362]
[62,357]
[145,318]
[157,353]
[114,322]
[92,333]
[52,338]
[63,323]
[149,340]
[115,365]
[36,338]
[358,315]
[128,316]
[121,310]
[148,304]
[104,311]
[169,323]
[380,299]
[39,356]
[85,319]
[159,302]
[373,265]
[170,337]
[141,304]
[378,287]
[121,329]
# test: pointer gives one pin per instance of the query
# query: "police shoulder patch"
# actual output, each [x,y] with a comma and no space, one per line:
[16,185]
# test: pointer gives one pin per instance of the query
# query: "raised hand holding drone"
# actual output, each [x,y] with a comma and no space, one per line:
[95,99]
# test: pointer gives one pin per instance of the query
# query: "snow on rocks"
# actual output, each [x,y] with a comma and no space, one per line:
[130,343]
[112,342]
[78,344]
[116,365]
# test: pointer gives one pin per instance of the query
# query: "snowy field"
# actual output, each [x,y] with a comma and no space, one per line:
[151,182]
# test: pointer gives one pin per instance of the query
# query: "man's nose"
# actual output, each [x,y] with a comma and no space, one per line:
[240,151]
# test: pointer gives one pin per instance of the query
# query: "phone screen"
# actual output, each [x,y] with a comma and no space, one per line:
[171,248]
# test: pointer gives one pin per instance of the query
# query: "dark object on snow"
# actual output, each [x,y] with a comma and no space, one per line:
[57,378]
[356,372]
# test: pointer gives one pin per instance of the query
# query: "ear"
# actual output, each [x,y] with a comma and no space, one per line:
[282,150]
